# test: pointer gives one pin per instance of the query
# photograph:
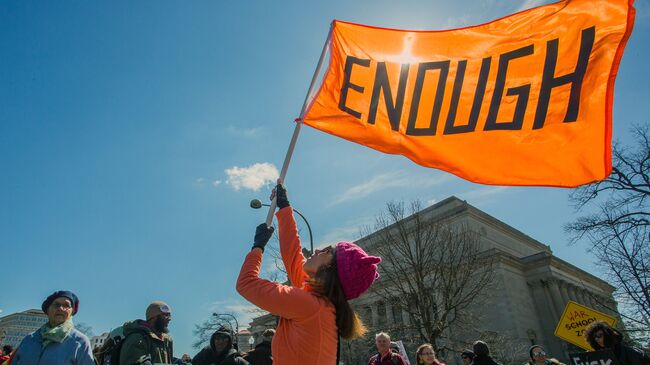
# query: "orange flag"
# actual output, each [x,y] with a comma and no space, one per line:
[523,100]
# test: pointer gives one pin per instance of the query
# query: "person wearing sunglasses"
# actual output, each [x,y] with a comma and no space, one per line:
[601,336]
[539,357]
[57,341]
[314,310]
[467,356]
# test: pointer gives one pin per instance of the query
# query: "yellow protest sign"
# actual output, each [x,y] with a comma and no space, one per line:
[574,321]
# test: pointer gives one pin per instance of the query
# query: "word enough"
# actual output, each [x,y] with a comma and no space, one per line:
[394,100]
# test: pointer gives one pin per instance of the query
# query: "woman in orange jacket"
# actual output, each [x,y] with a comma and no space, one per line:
[314,311]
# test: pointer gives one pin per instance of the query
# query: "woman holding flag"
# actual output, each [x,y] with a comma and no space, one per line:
[314,311]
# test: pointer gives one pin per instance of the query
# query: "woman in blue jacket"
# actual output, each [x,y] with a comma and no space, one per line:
[57,342]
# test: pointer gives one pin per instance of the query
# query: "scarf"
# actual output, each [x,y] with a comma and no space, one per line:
[55,334]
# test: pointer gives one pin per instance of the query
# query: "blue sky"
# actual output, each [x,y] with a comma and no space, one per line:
[130,134]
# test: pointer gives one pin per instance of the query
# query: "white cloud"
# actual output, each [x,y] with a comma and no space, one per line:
[253,177]
[216,183]
[243,132]
[388,181]
[350,231]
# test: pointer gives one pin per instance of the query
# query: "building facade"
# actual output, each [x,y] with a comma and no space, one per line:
[98,341]
[530,291]
[14,327]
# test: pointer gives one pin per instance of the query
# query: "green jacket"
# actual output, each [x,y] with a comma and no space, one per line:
[142,344]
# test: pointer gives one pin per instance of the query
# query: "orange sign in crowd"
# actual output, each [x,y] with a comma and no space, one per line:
[523,100]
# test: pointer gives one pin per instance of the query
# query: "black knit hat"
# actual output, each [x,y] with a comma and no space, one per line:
[530,350]
[468,353]
[58,294]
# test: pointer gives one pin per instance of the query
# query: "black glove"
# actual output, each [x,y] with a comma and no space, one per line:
[262,235]
[281,199]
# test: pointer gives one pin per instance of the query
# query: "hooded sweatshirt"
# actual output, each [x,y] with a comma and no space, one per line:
[307,332]
[209,355]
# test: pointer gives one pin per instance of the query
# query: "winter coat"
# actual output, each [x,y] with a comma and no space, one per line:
[227,357]
[261,355]
[390,359]
[141,343]
[629,355]
[75,350]
[307,332]
[210,356]
[484,360]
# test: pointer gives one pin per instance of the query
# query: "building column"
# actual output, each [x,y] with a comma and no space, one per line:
[375,315]
[564,290]
[389,312]
[556,297]
[549,300]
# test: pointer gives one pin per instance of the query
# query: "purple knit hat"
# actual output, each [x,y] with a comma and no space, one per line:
[356,269]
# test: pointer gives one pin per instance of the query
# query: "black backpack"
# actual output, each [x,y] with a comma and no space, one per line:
[109,353]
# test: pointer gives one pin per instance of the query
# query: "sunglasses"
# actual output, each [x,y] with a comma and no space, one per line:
[540,353]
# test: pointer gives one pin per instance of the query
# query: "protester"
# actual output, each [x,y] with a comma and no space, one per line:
[148,342]
[539,357]
[57,341]
[425,355]
[186,359]
[314,311]
[5,353]
[467,356]
[220,351]
[262,354]
[482,354]
[384,355]
[600,335]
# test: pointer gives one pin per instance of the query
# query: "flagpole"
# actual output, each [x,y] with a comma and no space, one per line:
[296,130]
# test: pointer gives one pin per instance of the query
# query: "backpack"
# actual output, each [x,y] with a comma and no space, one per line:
[109,353]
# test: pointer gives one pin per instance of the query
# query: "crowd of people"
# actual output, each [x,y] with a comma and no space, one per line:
[314,312]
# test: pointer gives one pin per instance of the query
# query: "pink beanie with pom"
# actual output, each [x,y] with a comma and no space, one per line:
[356,269]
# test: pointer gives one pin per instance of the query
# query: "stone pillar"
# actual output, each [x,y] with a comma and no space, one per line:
[564,291]
[556,297]
[549,301]
[375,315]
[390,319]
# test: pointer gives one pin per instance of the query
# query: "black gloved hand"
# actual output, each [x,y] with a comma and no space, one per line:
[281,196]
[262,236]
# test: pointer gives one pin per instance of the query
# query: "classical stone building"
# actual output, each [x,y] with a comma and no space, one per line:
[530,292]
[14,327]
[531,289]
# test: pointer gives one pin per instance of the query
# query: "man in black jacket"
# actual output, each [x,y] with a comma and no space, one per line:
[220,351]
[261,355]
[482,354]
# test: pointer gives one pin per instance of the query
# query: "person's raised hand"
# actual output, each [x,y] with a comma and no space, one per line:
[262,236]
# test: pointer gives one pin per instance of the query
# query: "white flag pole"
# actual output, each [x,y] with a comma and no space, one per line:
[296,131]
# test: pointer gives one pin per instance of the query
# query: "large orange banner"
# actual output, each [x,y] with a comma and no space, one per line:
[523,100]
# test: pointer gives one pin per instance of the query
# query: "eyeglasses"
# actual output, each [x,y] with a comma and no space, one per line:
[540,353]
[64,306]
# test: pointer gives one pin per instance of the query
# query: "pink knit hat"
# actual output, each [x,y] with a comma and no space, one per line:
[356,269]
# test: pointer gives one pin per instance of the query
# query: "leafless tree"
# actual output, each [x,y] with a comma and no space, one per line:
[617,228]
[431,269]
[85,329]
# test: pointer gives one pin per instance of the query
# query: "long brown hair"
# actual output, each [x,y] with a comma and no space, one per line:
[326,282]
[611,336]
[418,354]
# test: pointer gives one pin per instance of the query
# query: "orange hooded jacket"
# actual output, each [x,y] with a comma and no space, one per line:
[307,332]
